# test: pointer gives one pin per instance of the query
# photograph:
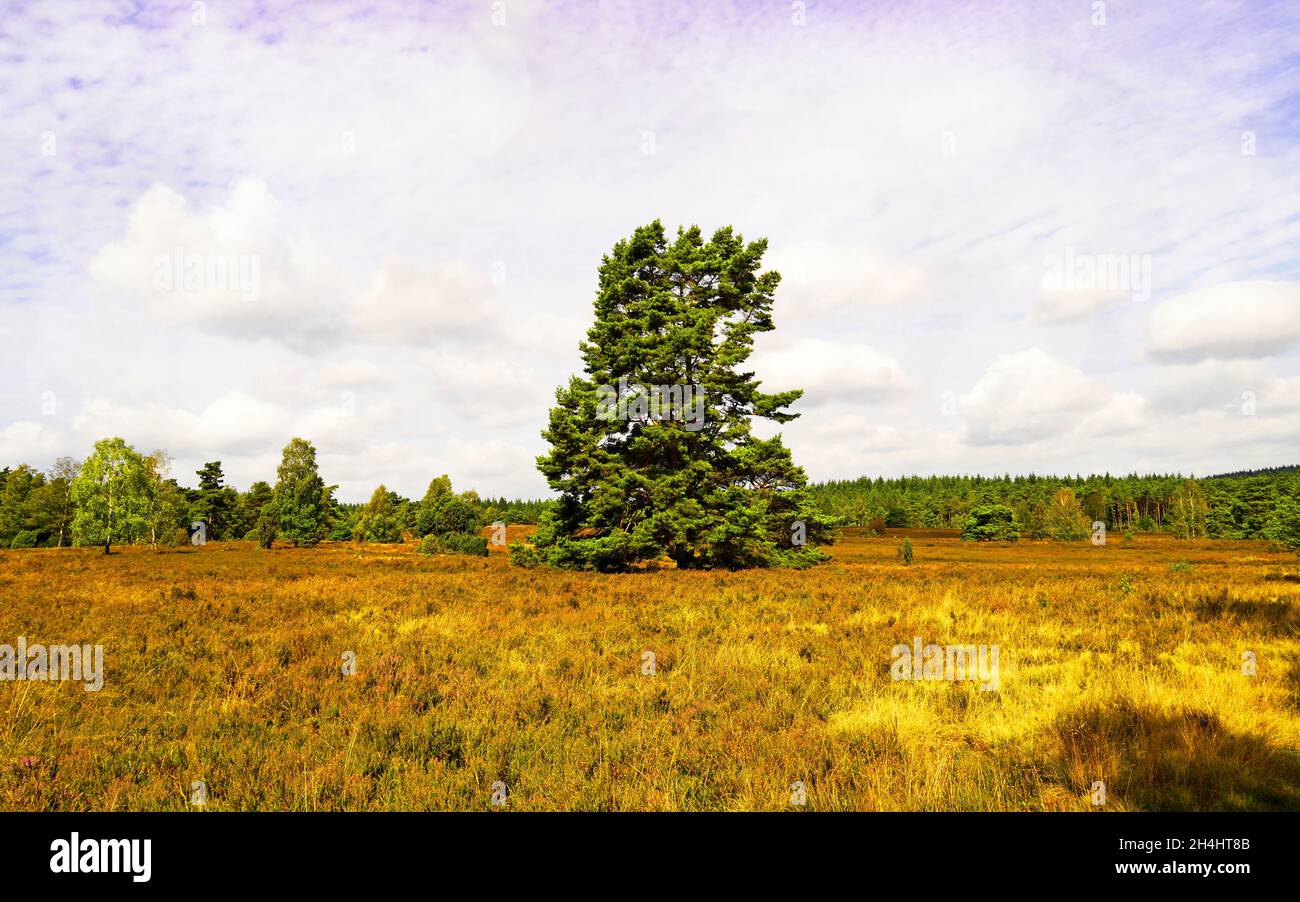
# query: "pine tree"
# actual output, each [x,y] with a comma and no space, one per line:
[651,450]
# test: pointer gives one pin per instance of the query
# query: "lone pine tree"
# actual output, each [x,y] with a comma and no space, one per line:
[652,450]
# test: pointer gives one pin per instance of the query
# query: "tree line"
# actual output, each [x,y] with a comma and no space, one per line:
[121,496]
[1256,504]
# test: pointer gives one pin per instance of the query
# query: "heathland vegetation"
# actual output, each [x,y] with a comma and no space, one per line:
[1121,664]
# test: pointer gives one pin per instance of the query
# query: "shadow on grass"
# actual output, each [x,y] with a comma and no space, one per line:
[1277,617]
[1154,761]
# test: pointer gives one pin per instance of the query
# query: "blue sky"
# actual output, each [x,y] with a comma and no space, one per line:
[428,191]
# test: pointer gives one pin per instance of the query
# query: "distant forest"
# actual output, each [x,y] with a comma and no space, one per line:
[1239,505]
[38,508]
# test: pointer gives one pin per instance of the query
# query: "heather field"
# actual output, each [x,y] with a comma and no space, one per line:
[1120,664]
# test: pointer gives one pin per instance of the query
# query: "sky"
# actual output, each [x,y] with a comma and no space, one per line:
[1058,237]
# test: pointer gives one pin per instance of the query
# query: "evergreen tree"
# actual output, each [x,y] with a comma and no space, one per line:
[1284,525]
[991,523]
[638,481]
[249,508]
[215,503]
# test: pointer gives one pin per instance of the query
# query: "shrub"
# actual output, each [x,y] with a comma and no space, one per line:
[523,555]
[905,552]
[991,523]
[24,538]
[454,543]
[445,515]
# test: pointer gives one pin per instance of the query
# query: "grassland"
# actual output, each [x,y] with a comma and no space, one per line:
[223,665]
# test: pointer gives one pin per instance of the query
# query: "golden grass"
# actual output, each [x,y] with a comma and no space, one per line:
[223,665]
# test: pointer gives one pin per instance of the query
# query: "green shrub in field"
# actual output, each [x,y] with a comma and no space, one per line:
[991,523]
[524,555]
[905,551]
[24,538]
[445,515]
[454,543]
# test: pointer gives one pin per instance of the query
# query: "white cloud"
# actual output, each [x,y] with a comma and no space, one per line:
[485,460]
[232,269]
[1063,306]
[1231,320]
[829,370]
[826,277]
[1123,412]
[234,423]
[1027,396]
[26,441]
[421,305]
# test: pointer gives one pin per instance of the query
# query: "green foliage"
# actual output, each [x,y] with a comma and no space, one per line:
[691,484]
[215,503]
[250,506]
[524,555]
[905,552]
[18,503]
[302,506]
[1238,505]
[1187,511]
[378,520]
[446,514]
[454,543]
[991,523]
[112,494]
[25,538]
[1284,525]
[1064,520]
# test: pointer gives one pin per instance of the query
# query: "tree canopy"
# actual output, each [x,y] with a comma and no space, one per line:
[651,450]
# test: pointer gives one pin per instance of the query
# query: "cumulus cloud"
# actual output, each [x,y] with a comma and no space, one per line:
[824,277]
[232,269]
[486,460]
[234,422]
[1231,320]
[1027,396]
[28,442]
[1122,413]
[421,305]
[830,370]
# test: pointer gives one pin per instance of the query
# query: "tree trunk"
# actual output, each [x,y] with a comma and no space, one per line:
[106,547]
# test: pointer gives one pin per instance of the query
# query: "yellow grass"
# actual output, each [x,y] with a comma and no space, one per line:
[223,664]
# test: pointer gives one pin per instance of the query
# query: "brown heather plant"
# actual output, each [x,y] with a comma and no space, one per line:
[223,663]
